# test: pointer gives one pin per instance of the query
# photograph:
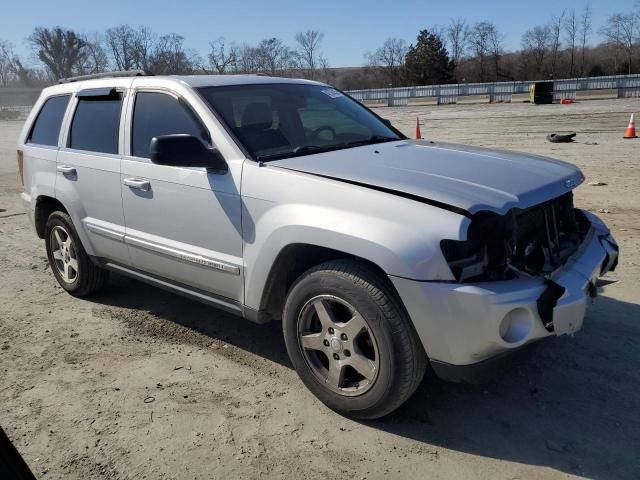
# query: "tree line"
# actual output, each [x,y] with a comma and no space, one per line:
[463,53]
[458,52]
[63,53]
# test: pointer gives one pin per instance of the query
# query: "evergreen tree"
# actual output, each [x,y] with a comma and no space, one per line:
[428,62]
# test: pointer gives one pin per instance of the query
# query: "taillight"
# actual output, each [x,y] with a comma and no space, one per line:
[21,166]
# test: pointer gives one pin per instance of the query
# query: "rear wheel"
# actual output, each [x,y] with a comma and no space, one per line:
[70,264]
[351,341]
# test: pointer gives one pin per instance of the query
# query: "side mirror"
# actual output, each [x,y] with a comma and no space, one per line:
[183,150]
[387,122]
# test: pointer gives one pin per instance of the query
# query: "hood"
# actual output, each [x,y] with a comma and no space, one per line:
[467,179]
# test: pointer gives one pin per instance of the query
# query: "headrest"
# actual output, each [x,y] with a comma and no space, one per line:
[257,115]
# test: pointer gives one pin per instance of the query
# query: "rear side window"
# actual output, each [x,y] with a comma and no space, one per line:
[96,123]
[158,114]
[46,128]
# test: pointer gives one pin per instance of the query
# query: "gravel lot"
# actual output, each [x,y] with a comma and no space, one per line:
[139,383]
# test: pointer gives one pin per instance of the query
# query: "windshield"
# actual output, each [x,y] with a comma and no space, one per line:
[275,121]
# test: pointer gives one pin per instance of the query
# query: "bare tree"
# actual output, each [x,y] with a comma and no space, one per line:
[274,57]
[222,58]
[246,59]
[571,34]
[496,46]
[309,51]
[6,63]
[585,32]
[97,60]
[486,45]
[389,59]
[535,42]
[121,41]
[144,42]
[170,56]
[131,48]
[458,35]
[62,52]
[326,75]
[621,30]
[555,29]
[24,74]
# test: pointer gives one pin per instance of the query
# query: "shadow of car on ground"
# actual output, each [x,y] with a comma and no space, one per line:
[573,406]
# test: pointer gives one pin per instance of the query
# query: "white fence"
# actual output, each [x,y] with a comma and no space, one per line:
[619,86]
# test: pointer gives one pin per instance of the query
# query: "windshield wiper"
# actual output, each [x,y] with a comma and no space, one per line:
[293,152]
[370,141]
[304,149]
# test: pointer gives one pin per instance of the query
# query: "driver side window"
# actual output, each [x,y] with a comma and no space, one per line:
[156,114]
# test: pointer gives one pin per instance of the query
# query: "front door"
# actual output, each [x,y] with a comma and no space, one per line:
[182,224]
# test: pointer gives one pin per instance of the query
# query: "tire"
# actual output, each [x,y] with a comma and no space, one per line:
[364,369]
[69,262]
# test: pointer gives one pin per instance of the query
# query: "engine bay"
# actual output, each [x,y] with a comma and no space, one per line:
[521,243]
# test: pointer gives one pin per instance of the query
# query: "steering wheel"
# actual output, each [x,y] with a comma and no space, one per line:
[314,134]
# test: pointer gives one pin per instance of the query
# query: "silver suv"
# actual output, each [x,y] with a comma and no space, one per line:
[280,199]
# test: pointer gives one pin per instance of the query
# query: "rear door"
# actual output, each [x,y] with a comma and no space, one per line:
[183,224]
[88,167]
[40,147]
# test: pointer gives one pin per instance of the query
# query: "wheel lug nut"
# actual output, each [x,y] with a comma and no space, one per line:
[347,353]
[343,336]
[336,356]
[331,330]
[326,343]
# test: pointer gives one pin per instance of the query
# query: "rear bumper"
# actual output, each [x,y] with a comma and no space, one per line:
[461,325]
[29,206]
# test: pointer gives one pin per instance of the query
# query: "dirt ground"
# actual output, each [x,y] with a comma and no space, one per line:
[139,383]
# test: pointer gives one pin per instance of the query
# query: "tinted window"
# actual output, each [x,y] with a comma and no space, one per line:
[95,124]
[158,114]
[46,128]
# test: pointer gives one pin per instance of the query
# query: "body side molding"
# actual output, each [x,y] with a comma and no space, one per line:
[182,255]
[205,297]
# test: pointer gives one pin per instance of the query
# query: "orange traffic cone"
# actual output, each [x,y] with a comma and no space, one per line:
[418,134]
[631,129]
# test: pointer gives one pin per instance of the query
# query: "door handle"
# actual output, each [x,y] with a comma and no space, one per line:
[67,170]
[137,183]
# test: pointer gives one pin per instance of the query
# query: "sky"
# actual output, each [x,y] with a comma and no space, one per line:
[350,27]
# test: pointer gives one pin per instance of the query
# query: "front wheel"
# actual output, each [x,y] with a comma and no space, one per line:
[351,341]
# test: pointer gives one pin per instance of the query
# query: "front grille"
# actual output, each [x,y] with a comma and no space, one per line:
[523,242]
[545,235]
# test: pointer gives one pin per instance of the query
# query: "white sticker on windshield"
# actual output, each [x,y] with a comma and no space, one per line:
[332,93]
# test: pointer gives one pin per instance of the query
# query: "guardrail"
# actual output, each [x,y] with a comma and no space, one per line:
[618,86]
[15,113]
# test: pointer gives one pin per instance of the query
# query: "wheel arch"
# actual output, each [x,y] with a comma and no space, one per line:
[45,206]
[292,261]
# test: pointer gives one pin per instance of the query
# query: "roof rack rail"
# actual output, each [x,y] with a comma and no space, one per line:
[124,73]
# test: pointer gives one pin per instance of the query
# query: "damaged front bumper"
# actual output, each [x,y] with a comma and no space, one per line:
[463,326]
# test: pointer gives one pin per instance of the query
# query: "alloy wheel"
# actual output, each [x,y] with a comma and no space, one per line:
[338,345]
[64,254]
